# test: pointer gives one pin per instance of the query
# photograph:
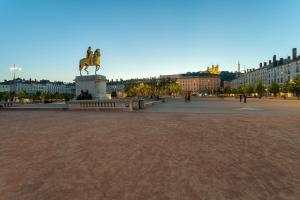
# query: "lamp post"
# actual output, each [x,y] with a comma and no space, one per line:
[14,69]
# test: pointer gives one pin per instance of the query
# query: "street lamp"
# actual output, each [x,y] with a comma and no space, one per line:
[14,69]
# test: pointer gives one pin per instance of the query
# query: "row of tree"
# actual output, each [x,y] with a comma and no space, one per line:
[274,88]
[38,96]
[153,88]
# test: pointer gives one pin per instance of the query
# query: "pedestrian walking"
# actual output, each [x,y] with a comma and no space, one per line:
[245,98]
[189,98]
[241,97]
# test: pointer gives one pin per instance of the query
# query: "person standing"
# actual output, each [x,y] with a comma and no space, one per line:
[245,98]
[241,97]
[189,98]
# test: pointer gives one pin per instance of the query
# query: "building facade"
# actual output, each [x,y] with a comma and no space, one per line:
[278,71]
[118,87]
[173,76]
[199,84]
[43,86]
[4,88]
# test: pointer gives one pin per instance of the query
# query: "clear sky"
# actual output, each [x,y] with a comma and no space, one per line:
[143,38]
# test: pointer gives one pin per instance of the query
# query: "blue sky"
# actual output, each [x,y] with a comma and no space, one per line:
[143,38]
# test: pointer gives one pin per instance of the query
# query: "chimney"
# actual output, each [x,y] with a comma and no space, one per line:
[274,61]
[281,61]
[294,53]
[260,65]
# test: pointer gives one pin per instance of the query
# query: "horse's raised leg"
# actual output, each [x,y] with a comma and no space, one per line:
[97,68]
[85,69]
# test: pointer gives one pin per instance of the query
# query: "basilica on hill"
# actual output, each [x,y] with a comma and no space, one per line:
[214,69]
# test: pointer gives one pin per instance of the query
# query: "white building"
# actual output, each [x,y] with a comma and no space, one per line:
[43,88]
[34,87]
[278,71]
[4,88]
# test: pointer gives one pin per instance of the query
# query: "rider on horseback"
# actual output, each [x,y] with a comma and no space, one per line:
[90,55]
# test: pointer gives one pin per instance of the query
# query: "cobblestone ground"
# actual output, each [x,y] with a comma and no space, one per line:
[96,155]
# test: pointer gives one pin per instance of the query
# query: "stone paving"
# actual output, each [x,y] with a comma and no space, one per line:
[228,105]
[241,154]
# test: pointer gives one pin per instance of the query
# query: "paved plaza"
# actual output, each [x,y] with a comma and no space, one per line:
[208,149]
[229,105]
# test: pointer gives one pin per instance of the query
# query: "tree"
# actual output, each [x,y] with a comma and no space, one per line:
[233,91]
[260,89]
[286,87]
[145,90]
[22,95]
[173,88]
[274,88]
[37,96]
[58,96]
[4,96]
[140,89]
[227,76]
[249,89]
[295,86]
[241,89]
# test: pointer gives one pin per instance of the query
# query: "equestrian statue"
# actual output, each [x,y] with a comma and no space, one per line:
[92,59]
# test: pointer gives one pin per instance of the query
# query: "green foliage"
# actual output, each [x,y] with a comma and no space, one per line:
[249,89]
[260,88]
[287,87]
[4,96]
[22,95]
[45,96]
[234,91]
[37,96]
[227,76]
[153,87]
[295,86]
[173,88]
[140,89]
[274,88]
[241,89]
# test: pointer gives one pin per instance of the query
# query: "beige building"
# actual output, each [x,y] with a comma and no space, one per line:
[199,84]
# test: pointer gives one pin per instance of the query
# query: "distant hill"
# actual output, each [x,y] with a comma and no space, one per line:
[227,76]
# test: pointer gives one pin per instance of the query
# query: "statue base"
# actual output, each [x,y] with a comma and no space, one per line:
[94,84]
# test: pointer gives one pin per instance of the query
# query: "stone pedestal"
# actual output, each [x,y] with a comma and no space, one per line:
[95,84]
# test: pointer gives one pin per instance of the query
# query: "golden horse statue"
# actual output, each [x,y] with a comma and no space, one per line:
[91,60]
